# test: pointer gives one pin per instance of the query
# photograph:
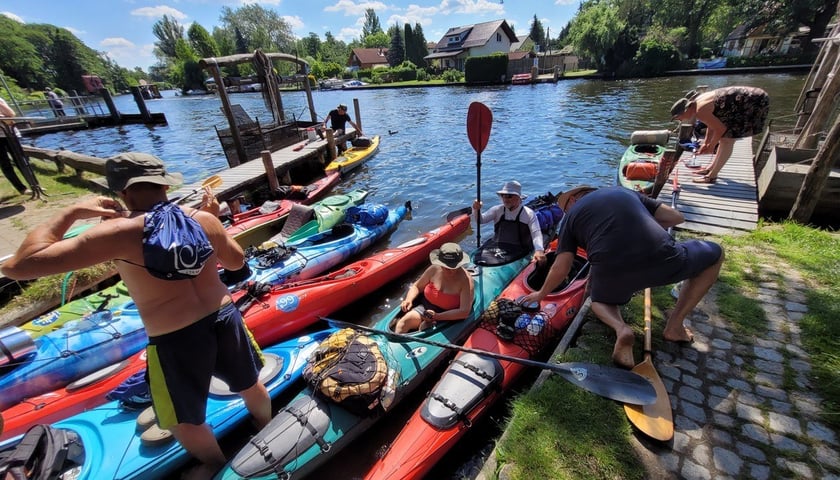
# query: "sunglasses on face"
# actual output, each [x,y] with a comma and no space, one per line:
[507,195]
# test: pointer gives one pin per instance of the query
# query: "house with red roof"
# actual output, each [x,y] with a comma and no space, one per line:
[480,39]
[368,58]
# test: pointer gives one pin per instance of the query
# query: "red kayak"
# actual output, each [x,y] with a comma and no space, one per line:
[275,315]
[83,394]
[281,310]
[242,222]
[472,383]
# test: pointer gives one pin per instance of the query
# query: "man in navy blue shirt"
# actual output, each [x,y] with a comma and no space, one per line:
[338,119]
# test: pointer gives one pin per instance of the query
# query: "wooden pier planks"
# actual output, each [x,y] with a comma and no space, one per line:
[721,208]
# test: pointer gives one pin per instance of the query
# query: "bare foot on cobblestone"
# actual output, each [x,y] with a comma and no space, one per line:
[685,337]
[623,350]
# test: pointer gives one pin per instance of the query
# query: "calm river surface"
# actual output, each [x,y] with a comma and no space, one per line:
[547,136]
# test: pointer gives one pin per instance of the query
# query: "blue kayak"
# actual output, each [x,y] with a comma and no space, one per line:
[291,447]
[77,349]
[112,444]
[312,256]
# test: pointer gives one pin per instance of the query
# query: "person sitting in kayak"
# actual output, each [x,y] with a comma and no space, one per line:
[516,226]
[447,291]
[195,331]
[625,238]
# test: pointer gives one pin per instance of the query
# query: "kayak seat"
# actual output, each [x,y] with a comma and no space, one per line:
[273,365]
[469,380]
[297,218]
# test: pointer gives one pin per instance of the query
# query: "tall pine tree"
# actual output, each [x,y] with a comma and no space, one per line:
[396,52]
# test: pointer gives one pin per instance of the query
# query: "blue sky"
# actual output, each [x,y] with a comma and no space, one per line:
[123,28]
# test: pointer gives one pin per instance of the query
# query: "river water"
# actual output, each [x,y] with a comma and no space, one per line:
[547,136]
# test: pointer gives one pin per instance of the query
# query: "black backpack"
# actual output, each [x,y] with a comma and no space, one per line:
[44,453]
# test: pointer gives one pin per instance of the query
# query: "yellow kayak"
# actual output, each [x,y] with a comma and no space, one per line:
[354,156]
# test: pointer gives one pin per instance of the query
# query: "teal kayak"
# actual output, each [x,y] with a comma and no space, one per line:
[311,429]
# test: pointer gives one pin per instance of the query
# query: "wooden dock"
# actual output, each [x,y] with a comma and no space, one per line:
[251,174]
[723,208]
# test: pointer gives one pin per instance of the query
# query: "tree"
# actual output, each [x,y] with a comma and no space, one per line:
[333,50]
[595,31]
[537,33]
[396,52]
[310,46]
[202,42]
[782,17]
[377,40]
[258,27]
[20,59]
[371,25]
[418,53]
[168,31]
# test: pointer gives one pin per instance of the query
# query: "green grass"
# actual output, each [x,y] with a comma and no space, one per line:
[559,431]
[58,185]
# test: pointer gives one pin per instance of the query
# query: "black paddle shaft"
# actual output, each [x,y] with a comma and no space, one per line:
[609,382]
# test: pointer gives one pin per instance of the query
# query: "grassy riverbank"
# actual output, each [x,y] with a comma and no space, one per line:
[561,432]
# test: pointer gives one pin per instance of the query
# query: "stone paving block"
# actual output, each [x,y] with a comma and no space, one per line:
[739,384]
[803,382]
[796,307]
[723,420]
[771,392]
[821,433]
[750,399]
[719,391]
[723,334]
[718,365]
[787,444]
[769,379]
[800,366]
[694,412]
[770,366]
[703,328]
[785,408]
[776,332]
[749,451]
[691,394]
[798,468]
[669,371]
[688,426]
[680,442]
[727,461]
[759,472]
[828,456]
[784,424]
[670,461]
[755,432]
[806,404]
[722,404]
[691,470]
[749,413]
[770,352]
[720,437]
[700,454]
[721,344]
[795,316]
[692,381]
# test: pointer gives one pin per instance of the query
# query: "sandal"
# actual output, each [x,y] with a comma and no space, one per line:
[704,179]
[702,171]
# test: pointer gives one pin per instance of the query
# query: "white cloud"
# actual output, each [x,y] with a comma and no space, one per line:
[471,7]
[413,15]
[159,11]
[348,34]
[126,54]
[12,16]
[350,7]
[294,21]
[75,31]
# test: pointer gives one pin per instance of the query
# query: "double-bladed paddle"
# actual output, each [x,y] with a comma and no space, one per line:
[212,182]
[613,383]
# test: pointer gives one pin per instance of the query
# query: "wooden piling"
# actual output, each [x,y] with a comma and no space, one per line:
[268,163]
[109,102]
[141,104]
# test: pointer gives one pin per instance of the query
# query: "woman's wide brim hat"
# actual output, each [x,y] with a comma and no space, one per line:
[449,255]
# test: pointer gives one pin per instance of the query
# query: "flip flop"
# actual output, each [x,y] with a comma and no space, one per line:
[704,179]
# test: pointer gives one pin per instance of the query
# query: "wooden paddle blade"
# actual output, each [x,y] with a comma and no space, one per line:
[213,182]
[479,121]
[654,420]
[609,382]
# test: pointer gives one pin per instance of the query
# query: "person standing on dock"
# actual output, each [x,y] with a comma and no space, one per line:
[339,119]
[167,257]
[729,113]
[55,103]
[6,164]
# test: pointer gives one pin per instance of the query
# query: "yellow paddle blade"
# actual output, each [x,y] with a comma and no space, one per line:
[214,181]
[655,420]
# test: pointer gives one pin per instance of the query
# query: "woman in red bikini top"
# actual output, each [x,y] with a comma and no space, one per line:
[447,291]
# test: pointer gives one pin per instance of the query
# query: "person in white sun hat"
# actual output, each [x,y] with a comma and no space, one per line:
[515,226]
